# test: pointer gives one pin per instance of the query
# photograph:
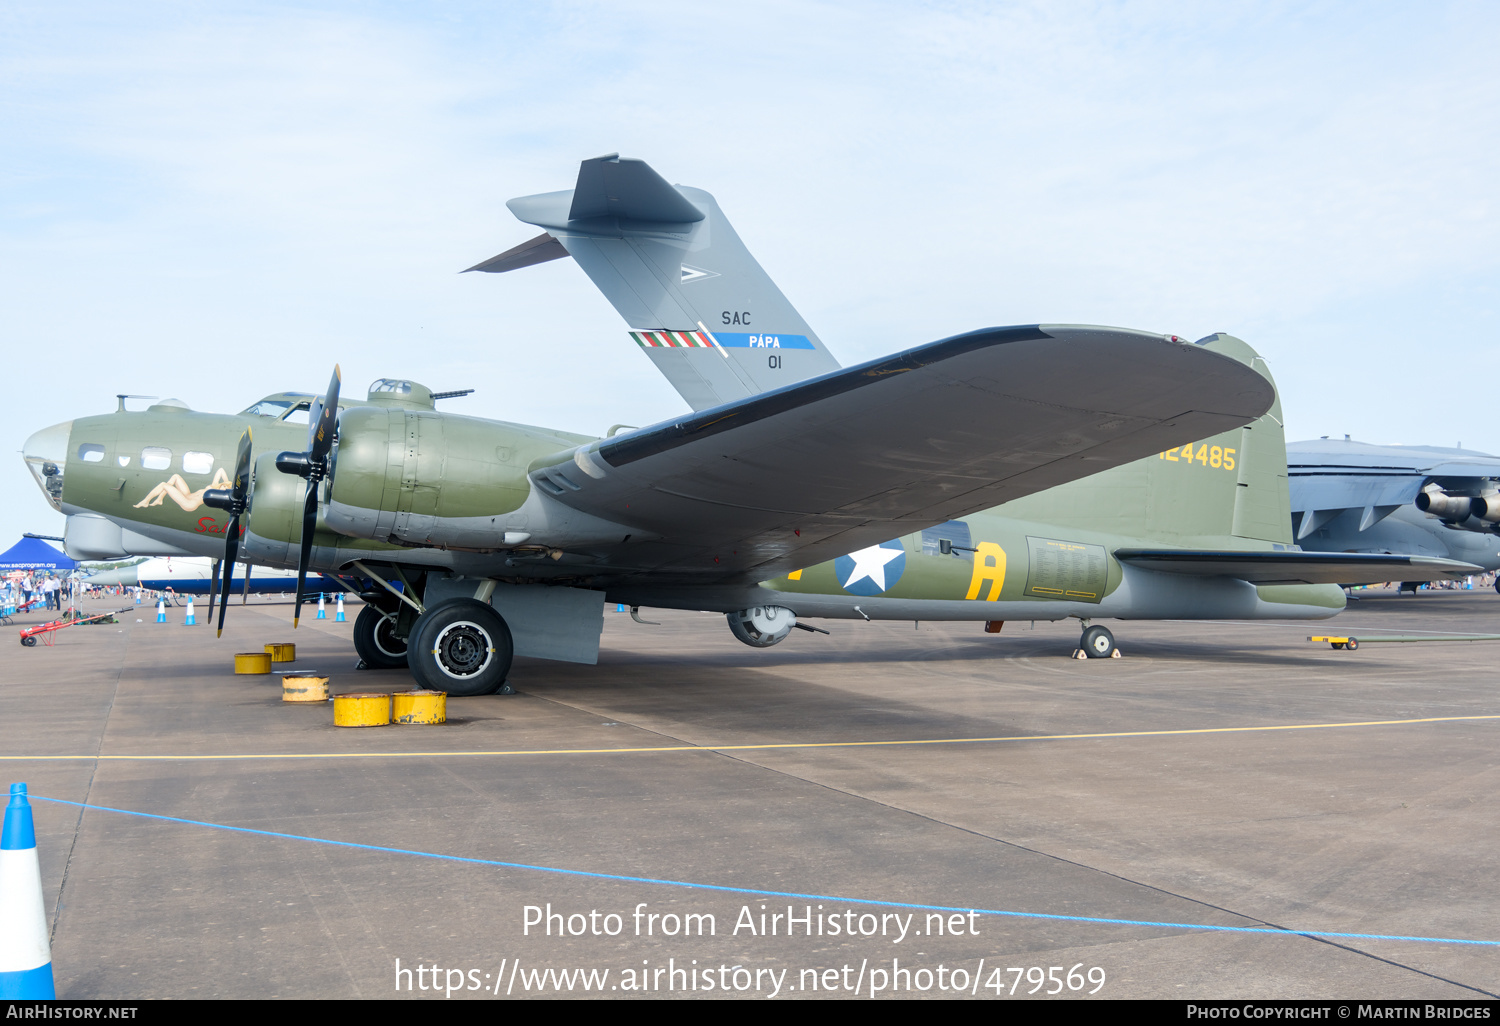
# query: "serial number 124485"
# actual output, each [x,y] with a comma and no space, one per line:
[1208,455]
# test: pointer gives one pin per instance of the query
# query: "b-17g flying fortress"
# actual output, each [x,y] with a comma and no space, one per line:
[1039,472]
[920,657]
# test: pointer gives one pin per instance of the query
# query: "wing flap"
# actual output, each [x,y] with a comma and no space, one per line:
[1297,567]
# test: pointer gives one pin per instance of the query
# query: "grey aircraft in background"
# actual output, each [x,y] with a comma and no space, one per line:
[1350,496]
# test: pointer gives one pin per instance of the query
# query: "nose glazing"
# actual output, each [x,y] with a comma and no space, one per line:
[46,455]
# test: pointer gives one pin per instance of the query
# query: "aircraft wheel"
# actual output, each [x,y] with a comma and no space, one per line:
[373,640]
[462,647]
[1097,643]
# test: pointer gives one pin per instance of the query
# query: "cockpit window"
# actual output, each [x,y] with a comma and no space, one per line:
[393,386]
[269,408]
[91,453]
[298,414]
[154,457]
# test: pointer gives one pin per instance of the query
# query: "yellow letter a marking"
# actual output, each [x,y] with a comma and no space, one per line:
[989,565]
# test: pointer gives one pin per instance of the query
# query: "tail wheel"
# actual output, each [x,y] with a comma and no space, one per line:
[462,647]
[1097,643]
[375,640]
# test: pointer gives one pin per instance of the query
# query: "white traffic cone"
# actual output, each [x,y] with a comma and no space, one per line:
[339,617]
[161,610]
[25,955]
[322,607]
[191,620]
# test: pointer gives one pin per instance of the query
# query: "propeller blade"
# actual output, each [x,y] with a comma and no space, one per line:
[323,422]
[309,522]
[213,591]
[239,496]
[241,486]
[231,551]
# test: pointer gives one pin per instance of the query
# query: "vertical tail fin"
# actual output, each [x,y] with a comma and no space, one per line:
[667,259]
[1226,491]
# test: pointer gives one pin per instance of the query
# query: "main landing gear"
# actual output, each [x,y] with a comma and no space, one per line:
[375,639]
[1097,643]
[461,646]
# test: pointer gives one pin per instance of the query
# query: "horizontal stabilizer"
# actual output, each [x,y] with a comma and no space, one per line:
[533,251]
[1296,567]
[803,474]
[610,187]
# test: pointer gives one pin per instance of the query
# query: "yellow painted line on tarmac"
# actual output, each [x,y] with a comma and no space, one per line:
[737,748]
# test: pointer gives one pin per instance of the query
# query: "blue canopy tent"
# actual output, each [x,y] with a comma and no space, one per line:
[34,554]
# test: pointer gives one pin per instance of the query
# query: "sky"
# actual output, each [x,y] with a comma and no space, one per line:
[216,201]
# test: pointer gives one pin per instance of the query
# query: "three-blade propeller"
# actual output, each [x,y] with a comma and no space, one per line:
[234,500]
[313,465]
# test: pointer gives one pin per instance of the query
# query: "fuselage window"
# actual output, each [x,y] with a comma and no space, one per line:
[954,532]
[91,453]
[154,457]
[123,461]
[197,462]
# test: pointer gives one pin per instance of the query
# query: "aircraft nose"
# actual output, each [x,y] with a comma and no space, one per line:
[46,453]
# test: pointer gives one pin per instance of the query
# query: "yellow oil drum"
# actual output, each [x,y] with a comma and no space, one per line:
[361,709]
[281,651]
[419,707]
[252,662]
[304,687]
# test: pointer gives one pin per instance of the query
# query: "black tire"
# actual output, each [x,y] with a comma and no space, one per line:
[462,647]
[1352,644]
[1097,643]
[373,640]
[29,642]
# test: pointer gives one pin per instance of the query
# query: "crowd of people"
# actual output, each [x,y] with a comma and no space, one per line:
[33,589]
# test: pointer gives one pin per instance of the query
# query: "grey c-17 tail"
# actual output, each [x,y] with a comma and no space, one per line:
[668,260]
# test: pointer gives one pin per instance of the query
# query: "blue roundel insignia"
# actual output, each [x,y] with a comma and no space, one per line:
[873,570]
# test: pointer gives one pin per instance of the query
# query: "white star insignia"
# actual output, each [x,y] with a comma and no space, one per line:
[871,563]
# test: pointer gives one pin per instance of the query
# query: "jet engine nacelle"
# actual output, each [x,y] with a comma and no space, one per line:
[762,626]
[1486,508]
[1444,506]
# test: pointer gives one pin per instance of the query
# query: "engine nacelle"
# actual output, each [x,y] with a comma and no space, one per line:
[1486,508]
[421,478]
[273,521]
[762,626]
[1440,504]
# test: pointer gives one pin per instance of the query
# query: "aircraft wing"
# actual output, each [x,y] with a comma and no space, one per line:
[829,465]
[1297,567]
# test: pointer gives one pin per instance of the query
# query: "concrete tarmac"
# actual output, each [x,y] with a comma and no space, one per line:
[1238,776]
